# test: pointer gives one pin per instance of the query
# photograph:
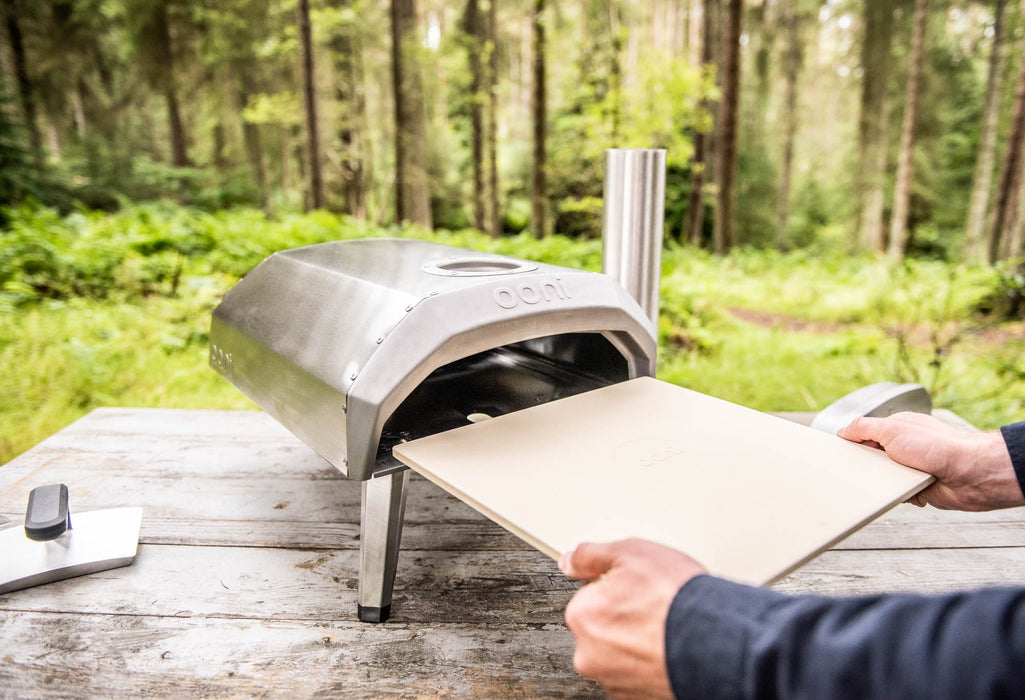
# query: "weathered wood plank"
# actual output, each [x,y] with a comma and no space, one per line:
[893,534]
[246,581]
[483,535]
[440,586]
[431,587]
[180,422]
[280,498]
[264,516]
[65,655]
[925,570]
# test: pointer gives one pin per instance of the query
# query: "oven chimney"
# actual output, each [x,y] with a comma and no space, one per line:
[635,185]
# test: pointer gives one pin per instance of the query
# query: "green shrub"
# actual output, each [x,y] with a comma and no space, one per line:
[1006,300]
[108,309]
[580,217]
[516,215]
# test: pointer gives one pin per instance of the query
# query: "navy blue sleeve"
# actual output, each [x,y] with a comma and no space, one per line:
[1014,438]
[726,640]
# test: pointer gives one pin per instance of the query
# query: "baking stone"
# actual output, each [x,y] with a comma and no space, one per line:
[749,495]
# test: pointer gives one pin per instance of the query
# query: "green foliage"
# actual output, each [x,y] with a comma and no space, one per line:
[756,199]
[113,309]
[17,173]
[1006,301]
[76,355]
[516,216]
[947,135]
[580,218]
[661,108]
[658,110]
[810,213]
[143,250]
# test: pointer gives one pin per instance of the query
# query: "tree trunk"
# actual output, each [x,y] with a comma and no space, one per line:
[347,54]
[299,151]
[494,203]
[251,136]
[685,48]
[77,96]
[762,31]
[473,26]
[873,122]
[286,159]
[316,199]
[217,139]
[179,153]
[906,161]
[715,16]
[615,70]
[1007,193]
[727,146]
[694,228]
[164,54]
[792,68]
[976,245]
[412,188]
[25,91]
[1014,242]
[538,196]
[975,226]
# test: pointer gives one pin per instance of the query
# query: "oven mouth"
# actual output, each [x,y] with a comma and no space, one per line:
[476,267]
[499,381]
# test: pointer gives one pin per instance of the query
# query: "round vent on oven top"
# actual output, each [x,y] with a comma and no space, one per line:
[476,267]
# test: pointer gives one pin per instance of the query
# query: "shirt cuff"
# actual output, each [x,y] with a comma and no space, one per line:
[707,632]
[1014,438]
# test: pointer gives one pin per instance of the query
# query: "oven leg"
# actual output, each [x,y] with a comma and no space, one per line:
[384,503]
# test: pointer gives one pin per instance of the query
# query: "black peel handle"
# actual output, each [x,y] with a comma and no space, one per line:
[47,517]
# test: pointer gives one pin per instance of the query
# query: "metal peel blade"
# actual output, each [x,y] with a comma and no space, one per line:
[99,540]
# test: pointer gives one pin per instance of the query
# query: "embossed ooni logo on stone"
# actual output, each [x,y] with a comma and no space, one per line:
[548,290]
[648,452]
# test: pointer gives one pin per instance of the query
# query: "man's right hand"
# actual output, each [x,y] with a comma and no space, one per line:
[973,470]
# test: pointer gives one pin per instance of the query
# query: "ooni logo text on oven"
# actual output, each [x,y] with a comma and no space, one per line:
[548,290]
[221,360]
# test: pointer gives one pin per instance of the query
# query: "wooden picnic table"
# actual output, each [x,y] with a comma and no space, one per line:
[246,578]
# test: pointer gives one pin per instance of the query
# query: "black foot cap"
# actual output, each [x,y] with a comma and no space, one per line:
[369,614]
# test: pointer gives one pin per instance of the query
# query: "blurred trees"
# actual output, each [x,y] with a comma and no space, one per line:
[792,60]
[316,198]
[779,116]
[28,104]
[874,121]
[412,185]
[983,176]
[905,160]
[726,156]
[539,117]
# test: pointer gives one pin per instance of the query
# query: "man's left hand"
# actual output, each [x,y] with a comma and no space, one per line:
[619,618]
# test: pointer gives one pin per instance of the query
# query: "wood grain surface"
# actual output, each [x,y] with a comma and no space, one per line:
[246,579]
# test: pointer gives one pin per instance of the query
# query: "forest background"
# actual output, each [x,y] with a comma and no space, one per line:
[843,198]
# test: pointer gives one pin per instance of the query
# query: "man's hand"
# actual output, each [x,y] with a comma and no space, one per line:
[619,618]
[973,470]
